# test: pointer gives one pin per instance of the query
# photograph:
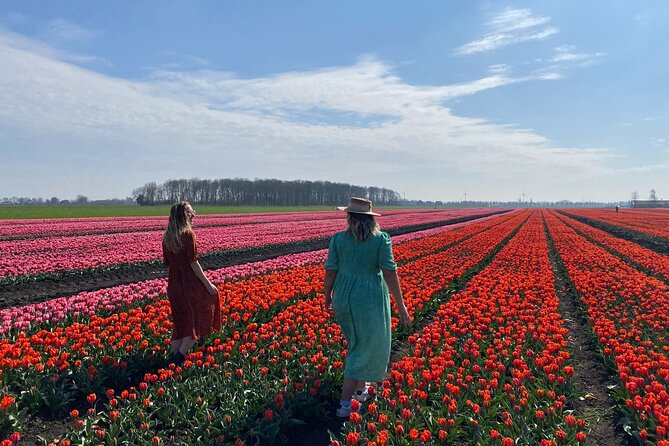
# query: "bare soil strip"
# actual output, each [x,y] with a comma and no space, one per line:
[651,242]
[71,283]
[590,376]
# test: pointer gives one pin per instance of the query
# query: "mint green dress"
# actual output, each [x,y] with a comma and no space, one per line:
[361,301]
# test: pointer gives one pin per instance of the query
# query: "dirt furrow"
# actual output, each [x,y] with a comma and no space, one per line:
[590,377]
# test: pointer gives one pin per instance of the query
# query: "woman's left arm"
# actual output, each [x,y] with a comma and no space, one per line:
[197,269]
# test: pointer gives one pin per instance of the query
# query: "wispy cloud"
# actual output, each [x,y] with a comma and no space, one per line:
[659,141]
[655,118]
[567,55]
[564,59]
[645,168]
[55,37]
[175,61]
[508,28]
[61,30]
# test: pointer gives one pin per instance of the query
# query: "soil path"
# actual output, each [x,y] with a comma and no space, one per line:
[590,378]
[90,280]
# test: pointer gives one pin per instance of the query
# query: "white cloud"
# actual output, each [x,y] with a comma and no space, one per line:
[511,27]
[108,135]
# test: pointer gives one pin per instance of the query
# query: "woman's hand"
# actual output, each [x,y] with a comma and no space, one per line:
[328,304]
[405,319]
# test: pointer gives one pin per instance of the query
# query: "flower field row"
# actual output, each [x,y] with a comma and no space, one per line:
[104,352]
[629,313]
[54,254]
[87,303]
[491,369]
[57,227]
[653,223]
[644,257]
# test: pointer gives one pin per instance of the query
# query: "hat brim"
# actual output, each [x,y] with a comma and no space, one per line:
[344,208]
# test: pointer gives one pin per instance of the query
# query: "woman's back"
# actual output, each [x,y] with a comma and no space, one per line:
[348,255]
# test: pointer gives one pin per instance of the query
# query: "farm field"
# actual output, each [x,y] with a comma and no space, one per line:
[530,327]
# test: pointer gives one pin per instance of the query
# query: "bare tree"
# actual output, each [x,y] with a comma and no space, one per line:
[652,195]
[635,196]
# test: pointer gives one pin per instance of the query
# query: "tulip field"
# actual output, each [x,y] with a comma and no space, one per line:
[31,250]
[492,356]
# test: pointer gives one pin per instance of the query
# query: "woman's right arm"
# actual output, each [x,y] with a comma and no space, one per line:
[166,262]
[393,281]
[328,284]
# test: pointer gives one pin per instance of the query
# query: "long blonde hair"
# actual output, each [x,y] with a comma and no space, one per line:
[362,226]
[177,225]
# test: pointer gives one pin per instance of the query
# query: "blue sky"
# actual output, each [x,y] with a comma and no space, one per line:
[559,100]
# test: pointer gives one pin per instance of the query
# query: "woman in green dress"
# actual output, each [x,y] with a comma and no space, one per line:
[360,272]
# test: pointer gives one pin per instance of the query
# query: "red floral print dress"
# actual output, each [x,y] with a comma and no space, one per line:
[195,312]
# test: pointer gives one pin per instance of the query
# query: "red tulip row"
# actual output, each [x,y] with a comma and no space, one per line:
[653,223]
[57,254]
[491,369]
[629,313]
[644,257]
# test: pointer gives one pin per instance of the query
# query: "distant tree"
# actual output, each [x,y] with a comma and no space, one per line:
[81,199]
[150,193]
[54,200]
[259,192]
[635,196]
[652,195]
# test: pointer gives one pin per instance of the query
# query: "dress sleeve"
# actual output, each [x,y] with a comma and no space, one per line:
[190,246]
[386,260]
[332,262]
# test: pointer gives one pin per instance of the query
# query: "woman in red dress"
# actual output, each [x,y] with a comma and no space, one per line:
[193,298]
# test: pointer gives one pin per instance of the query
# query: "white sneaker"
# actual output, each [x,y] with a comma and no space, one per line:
[343,412]
[363,395]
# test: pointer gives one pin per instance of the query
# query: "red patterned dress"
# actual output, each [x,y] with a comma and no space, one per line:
[195,312]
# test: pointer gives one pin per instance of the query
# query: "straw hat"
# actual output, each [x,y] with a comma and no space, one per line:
[359,206]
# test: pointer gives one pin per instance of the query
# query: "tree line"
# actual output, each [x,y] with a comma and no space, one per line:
[259,192]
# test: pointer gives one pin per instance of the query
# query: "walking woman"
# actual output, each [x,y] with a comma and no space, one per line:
[360,271]
[193,298]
